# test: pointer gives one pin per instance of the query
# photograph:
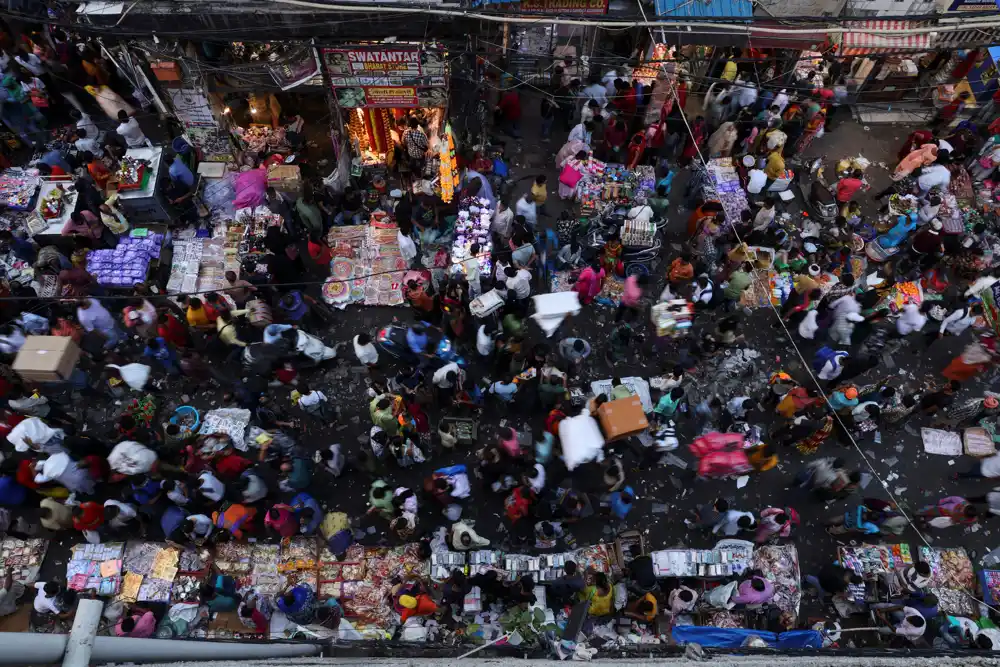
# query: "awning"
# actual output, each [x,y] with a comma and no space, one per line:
[857,42]
[809,41]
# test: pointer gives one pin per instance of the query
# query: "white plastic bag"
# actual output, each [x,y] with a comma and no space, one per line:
[719,597]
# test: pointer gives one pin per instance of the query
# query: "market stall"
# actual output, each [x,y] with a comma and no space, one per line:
[129,262]
[952,579]
[139,178]
[18,187]
[879,565]
[56,202]
[367,266]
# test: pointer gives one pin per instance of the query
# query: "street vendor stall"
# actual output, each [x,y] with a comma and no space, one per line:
[367,265]
[138,180]
[57,199]
[780,565]
[18,187]
[952,579]
[129,262]
[96,568]
[728,558]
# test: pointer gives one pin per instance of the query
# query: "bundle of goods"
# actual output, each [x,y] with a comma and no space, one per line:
[128,263]
[51,205]
[672,318]
[131,174]
[260,138]
[871,560]
[638,234]
[255,223]
[727,188]
[264,574]
[17,188]
[234,558]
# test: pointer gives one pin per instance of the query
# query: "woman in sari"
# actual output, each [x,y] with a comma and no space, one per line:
[588,285]
[577,163]
[636,149]
[110,101]
[721,143]
[299,604]
[974,359]
[916,139]
[696,138]
[796,399]
[949,511]
[810,443]
[813,127]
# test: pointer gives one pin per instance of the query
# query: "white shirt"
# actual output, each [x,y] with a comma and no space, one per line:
[88,143]
[538,481]
[43,603]
[484,342]
[501,223]
[934,176]
[472,272]
[957,322]
[203,525]
[596,92]
[763,219]
[312,398]
[910,320]
[210,486]
[703,294]
[87,123]
[905,629]
[126,512]
[32,63]
[520,283]
[255,490]
[178,495]
[579,133]
[994,636]
[366,354]
[928,213]
[990,466]
[729,526]
[440,377]
[756,180]
[527,209]
[132,133]
[640,214]
[735,406]
[832,369]
[407,248]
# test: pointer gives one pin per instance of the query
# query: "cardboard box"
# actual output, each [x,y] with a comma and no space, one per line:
[285,178]
[46,358]
[622,418]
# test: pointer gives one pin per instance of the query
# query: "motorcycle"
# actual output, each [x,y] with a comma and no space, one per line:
[290,340]
[392,340]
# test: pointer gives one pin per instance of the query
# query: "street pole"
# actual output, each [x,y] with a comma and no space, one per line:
[80,645]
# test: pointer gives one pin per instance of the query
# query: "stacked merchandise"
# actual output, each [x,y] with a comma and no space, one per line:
[261,138]
[473,226]
[637,234]
[264,575]
[710,563]
[347,273]
[299,561]
[128,263]
[952,579]
[17,188]
[200,264]
[867,560]
[364,600]
[443,562]
[780,564]
[339,579]
[728,190]
[132,174]
[234,559]
[384,264]
[590,189]
[156,564]
[22,558]
[96,568]
[672,318]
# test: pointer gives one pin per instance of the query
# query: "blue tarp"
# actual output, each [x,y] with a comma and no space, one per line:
[734,637]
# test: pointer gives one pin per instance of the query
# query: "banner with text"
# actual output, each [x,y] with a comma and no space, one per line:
[383,65]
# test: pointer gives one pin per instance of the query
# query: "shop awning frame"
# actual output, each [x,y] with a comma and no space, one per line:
[860,42]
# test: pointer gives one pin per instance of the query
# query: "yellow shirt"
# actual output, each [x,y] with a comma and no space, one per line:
[333,523]
[775,167]
[227,330]
[651,616]
[729,71]
[197,317]
[539,193]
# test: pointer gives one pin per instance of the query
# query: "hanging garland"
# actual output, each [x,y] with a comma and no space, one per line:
[449,167]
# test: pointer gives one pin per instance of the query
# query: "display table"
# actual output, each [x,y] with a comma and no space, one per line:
[146,204]
[728,558]
[41,225]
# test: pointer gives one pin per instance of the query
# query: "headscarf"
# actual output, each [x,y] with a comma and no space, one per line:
[13,86]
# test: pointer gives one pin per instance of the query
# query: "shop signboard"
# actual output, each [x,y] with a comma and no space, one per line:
[391,97]
[595,7]
[385,65]
[295,69]
[973,6]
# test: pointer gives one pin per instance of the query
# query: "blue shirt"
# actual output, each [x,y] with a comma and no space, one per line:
[619,507]
[417,342]
[838,401]
[303,501]
[11,493]
[56,159]
[145,493]
[180,173]
[505,391]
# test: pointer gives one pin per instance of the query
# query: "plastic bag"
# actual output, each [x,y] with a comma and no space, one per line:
[719,597]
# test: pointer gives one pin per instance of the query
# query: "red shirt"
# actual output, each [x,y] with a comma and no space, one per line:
[25,475]
[92,517]
[510,105]
[320,252]
[231,465]
[173,331]
[847,188]
[627,102]
[615,137]
[285,375]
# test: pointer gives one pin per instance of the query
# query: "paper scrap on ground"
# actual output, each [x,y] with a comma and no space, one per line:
[978,442]
[742,480]
[941,442]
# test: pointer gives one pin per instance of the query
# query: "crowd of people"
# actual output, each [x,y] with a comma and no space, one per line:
[139,472]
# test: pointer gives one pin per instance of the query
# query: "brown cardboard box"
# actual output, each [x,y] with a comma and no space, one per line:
[46,358]
[622,418]
[285,178]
